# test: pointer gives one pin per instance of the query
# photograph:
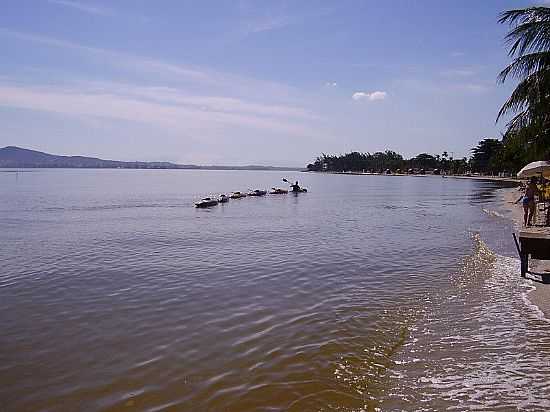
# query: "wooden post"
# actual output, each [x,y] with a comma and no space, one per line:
[523,257]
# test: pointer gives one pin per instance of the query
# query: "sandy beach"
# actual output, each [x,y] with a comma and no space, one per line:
[541,295]
[482,178]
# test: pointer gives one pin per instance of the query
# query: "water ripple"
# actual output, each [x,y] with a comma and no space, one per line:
[115,293]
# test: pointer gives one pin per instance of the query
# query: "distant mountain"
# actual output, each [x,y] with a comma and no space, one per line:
[17,157]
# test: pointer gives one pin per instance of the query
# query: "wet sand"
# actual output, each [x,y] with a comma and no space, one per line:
[541,295]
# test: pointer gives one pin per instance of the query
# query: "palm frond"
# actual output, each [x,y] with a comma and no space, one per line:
[519,98]
[519,121]
[526,65]
[532,31]
[532,94]
[529,103]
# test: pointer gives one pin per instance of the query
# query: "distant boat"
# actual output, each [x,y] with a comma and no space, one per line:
[223,198]
[237,195]
[257,192]
[206,202]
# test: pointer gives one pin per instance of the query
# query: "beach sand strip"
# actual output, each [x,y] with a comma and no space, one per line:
[541,295]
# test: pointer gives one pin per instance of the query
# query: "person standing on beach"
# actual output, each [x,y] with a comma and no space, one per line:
[528,201]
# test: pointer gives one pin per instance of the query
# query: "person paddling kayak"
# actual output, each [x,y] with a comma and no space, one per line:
[296,187]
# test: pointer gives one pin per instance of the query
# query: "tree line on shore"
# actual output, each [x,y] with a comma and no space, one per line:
[388,161]
[505,156]
[527,135]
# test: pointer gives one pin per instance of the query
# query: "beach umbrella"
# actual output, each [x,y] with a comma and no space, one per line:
[535,169]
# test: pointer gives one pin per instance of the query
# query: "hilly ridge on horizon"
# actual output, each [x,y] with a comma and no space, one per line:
[17,157]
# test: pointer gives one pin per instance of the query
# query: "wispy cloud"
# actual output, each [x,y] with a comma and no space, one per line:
[377,95]
[440,86]
[457,53]
[256,20]
[265,19]
[176,98]
[194,115]
[114,57]
[210,103]
[267,23]
[160,69]
[84,7]
[331,84]
[459,72]
[473,87]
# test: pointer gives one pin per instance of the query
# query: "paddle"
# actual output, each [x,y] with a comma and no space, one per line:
[300,189]
[286,181]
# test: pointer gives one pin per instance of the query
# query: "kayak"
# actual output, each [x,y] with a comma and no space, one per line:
[300,190]
[278,191]
[257,192]
[206,202]
[237,195]
[223,199]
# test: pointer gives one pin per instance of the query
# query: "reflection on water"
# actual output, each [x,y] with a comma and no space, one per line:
[116,293]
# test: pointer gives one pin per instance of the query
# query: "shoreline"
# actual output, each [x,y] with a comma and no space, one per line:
[486,178]
[540,295]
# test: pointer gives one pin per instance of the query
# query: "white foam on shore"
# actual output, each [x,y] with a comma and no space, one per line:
[530,304]
[536,310]
[515,215]
[511,267]
[481,345]
[493,213]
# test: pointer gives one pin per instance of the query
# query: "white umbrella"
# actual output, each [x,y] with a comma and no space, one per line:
[535,169]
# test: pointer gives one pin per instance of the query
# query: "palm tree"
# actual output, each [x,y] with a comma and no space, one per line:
[529,42]
[485,156]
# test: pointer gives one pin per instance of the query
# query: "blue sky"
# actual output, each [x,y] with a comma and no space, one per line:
[250,82]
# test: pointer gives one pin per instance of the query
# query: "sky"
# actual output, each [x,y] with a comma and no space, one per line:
[250,82]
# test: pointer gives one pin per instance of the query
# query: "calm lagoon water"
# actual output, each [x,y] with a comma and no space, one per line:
[367,293]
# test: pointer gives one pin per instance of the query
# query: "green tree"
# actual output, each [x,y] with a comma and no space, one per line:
[423,161]
[486,156]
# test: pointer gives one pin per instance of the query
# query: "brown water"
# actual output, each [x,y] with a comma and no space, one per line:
[367,292]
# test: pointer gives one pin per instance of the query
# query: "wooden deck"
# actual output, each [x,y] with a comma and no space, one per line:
[534,243]
[535,232]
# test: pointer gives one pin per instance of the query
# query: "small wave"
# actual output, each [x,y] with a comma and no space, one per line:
[482,349]
[107,207]
[493,213]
